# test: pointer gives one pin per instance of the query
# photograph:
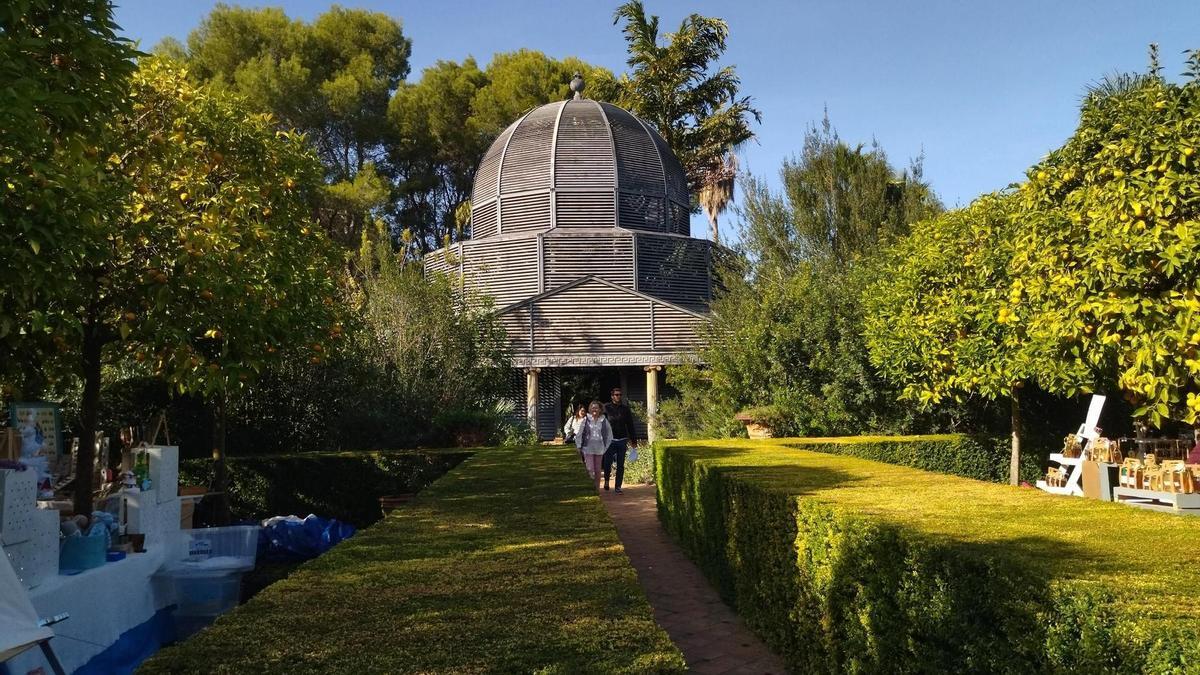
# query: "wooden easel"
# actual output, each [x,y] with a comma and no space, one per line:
[160,424]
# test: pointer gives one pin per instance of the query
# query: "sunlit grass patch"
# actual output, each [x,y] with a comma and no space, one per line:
[507,564]
[842,563]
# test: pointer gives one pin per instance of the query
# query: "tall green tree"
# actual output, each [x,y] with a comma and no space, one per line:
[1109,251]
[440,352]
[942,321]
[787,333]
[847,201]
[331,79]
[210,265]
[64,72]
[716,192]
[676,86]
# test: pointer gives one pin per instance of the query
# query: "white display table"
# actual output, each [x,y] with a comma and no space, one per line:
[1155,500]
[103,603]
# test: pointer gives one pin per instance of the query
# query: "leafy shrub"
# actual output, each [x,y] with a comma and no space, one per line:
[641,470]
[346,486]
[847,565]
[978,457]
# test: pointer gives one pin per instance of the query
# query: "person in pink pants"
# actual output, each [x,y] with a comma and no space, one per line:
[592,439]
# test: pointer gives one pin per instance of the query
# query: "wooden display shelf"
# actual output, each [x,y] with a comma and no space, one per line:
[1065,461]
[1172,502]
[1057,490]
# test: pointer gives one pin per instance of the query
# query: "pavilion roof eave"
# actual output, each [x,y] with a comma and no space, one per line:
[591,277]
[584,360]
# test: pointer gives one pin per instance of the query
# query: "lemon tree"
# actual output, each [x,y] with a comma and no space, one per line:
[944,320]
[1109,252]
[64,72]
[211,265]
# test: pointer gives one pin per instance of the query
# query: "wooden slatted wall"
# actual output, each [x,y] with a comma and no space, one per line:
[591,318]
[526,164]
[549,402]
[484,220]
[486,187]
[525,213]
[674,331]
[675,269]
[505,269]
[567,258]
[445,261]
[516,324]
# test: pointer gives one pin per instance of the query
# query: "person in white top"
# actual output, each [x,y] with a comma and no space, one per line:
[592,439]
[574,423]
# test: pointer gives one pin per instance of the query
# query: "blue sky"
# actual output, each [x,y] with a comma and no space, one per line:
[985,89]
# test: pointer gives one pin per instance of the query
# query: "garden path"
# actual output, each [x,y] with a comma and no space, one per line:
[711,636]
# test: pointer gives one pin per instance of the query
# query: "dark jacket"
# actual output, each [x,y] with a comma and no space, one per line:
[621,419]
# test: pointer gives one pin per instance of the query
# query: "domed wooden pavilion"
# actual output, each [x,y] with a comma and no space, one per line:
[580,235]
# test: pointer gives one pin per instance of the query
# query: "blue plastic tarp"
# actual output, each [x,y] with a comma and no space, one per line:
[295,538]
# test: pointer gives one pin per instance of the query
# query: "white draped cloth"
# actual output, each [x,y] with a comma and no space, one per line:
[19,628]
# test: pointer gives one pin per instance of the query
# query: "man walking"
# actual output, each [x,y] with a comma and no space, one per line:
[624,431]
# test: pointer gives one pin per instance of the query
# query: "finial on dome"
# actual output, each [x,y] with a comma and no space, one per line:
[577,86]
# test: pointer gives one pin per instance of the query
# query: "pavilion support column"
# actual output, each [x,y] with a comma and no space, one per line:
[652,402]
[531,397]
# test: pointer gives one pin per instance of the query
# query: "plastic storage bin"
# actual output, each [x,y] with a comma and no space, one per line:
[82,553]
[207,594]
[208,576]
[218,548]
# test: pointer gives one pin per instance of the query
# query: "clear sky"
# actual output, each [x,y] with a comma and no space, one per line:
[985,89]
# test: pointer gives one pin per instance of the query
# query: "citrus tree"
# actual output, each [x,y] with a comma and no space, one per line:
[64,73]
[1109,251]
[945,318]
[210,265]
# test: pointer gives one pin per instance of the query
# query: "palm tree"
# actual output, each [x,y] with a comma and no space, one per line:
[677,87]
[716,191]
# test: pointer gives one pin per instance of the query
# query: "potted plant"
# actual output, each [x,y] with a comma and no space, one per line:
[760,421]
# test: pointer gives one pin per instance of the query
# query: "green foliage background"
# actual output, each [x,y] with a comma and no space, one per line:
[345,486]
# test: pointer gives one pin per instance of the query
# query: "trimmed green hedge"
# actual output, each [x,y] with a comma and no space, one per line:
[848,565]
[508,564]
[982,458]
[345,485]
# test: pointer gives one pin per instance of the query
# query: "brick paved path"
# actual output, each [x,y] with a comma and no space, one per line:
[711,636]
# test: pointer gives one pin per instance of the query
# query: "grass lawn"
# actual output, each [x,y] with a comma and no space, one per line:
[886,529]
[508,563]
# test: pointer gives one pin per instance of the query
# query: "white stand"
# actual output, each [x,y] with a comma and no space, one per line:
[1087,431]
[1171,502]
[1072,486]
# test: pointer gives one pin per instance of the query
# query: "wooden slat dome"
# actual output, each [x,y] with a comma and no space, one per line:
[579,163]
[578,199]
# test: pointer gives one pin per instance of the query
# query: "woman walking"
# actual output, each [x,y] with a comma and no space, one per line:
[573,426]
[592,439]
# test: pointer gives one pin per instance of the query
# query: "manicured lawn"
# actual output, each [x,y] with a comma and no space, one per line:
[509,563]
[848,564]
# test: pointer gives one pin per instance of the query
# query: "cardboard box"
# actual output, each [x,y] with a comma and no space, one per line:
[18,501]
[1098,480]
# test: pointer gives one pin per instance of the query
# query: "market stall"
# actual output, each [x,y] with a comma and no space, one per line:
[1154,473]
[108,575]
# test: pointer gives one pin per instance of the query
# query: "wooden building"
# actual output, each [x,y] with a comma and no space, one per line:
[580,235]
